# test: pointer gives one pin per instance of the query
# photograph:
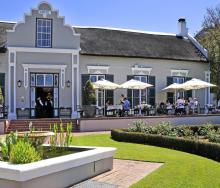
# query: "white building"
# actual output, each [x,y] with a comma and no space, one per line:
[42,56]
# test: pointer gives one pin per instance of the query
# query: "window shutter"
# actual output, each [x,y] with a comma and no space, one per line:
[2,79]
[109,94]
[84,79]
[151,90]
[188,93]
[2,86]
[169,94]
[129,91]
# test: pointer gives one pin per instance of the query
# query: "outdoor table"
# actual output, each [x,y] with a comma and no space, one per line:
[114,108]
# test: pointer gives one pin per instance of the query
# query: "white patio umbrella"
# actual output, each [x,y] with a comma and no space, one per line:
[135,84]
[195,84]
[105,85]
[173,88]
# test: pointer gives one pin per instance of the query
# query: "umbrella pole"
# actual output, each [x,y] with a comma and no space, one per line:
[139,101]
[175,97]
[193,91]
[132,98]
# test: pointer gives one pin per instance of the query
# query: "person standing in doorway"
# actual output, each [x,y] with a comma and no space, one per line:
[39,108]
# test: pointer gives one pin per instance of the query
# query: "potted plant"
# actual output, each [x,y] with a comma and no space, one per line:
[89,100]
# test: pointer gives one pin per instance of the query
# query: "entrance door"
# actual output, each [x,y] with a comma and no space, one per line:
[44,97]
[44,102]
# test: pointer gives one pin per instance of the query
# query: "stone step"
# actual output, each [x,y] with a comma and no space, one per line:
[40,124]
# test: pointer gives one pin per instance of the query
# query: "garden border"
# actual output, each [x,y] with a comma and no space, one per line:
[209,150]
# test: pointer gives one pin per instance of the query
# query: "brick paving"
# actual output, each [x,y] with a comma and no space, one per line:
[124,174]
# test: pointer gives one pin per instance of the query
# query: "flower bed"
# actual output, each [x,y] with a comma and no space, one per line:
[25,162]
[191,139]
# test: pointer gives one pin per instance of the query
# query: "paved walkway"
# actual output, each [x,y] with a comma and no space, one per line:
[124,174]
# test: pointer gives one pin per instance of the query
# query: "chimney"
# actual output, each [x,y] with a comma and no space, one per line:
[183,31]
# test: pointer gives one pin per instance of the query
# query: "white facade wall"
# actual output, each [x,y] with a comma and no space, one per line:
[120,67]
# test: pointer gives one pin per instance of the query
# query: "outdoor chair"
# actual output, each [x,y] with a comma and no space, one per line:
[180,111]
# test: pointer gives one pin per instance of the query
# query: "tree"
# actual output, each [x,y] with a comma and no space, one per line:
[89,96]
[209,37]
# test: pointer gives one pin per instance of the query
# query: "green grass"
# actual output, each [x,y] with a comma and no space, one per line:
[180,169]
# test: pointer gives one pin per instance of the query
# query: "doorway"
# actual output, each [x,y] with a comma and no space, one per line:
[44,102]
[44,95]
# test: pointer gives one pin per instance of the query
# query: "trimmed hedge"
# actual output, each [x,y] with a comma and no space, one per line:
[205,149]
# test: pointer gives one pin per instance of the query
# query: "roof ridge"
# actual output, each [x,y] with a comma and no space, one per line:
[10,22]
[126,30]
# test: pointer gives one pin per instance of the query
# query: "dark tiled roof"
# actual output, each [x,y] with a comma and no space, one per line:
[107,42]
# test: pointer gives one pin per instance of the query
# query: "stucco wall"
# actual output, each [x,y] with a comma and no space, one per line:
[63,36]
[45,59]
[120,67]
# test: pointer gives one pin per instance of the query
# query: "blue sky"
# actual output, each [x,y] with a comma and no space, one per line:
[154,15]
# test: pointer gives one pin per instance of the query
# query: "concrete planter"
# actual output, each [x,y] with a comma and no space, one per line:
[89,110]
[58,172]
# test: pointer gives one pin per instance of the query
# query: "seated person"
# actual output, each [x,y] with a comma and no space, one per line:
[161,108]
[180,106]
[107,104]
[122,98]
[169,107]
[125,106]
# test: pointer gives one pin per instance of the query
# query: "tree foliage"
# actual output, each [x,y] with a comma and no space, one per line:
[89,96]
[209,37]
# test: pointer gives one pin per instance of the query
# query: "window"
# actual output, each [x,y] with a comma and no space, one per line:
[136,93]
[44,80]
[44,33]
[99,93]
[179,80]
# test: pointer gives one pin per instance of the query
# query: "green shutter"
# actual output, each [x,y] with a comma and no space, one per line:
[2,88]
[109,94]
[151,90]
[2,79]
[129,91]
[169,94]
[84,79]
[188,93]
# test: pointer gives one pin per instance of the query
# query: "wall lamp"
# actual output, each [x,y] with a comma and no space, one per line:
[68,83]
[19,83]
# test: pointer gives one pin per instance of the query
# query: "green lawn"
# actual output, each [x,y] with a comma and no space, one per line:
[179,170]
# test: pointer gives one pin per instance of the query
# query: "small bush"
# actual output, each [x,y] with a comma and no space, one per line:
[23,152]
[162,129]
[213,136]
[205,130]
[138,126]
[183,131]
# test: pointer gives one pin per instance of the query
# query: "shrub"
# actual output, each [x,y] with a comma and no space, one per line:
[162,129]
[183,131]
[6,146]
[89,96]
[204,130]
[23,152]
[213,136]
[139,126]
[205,149]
